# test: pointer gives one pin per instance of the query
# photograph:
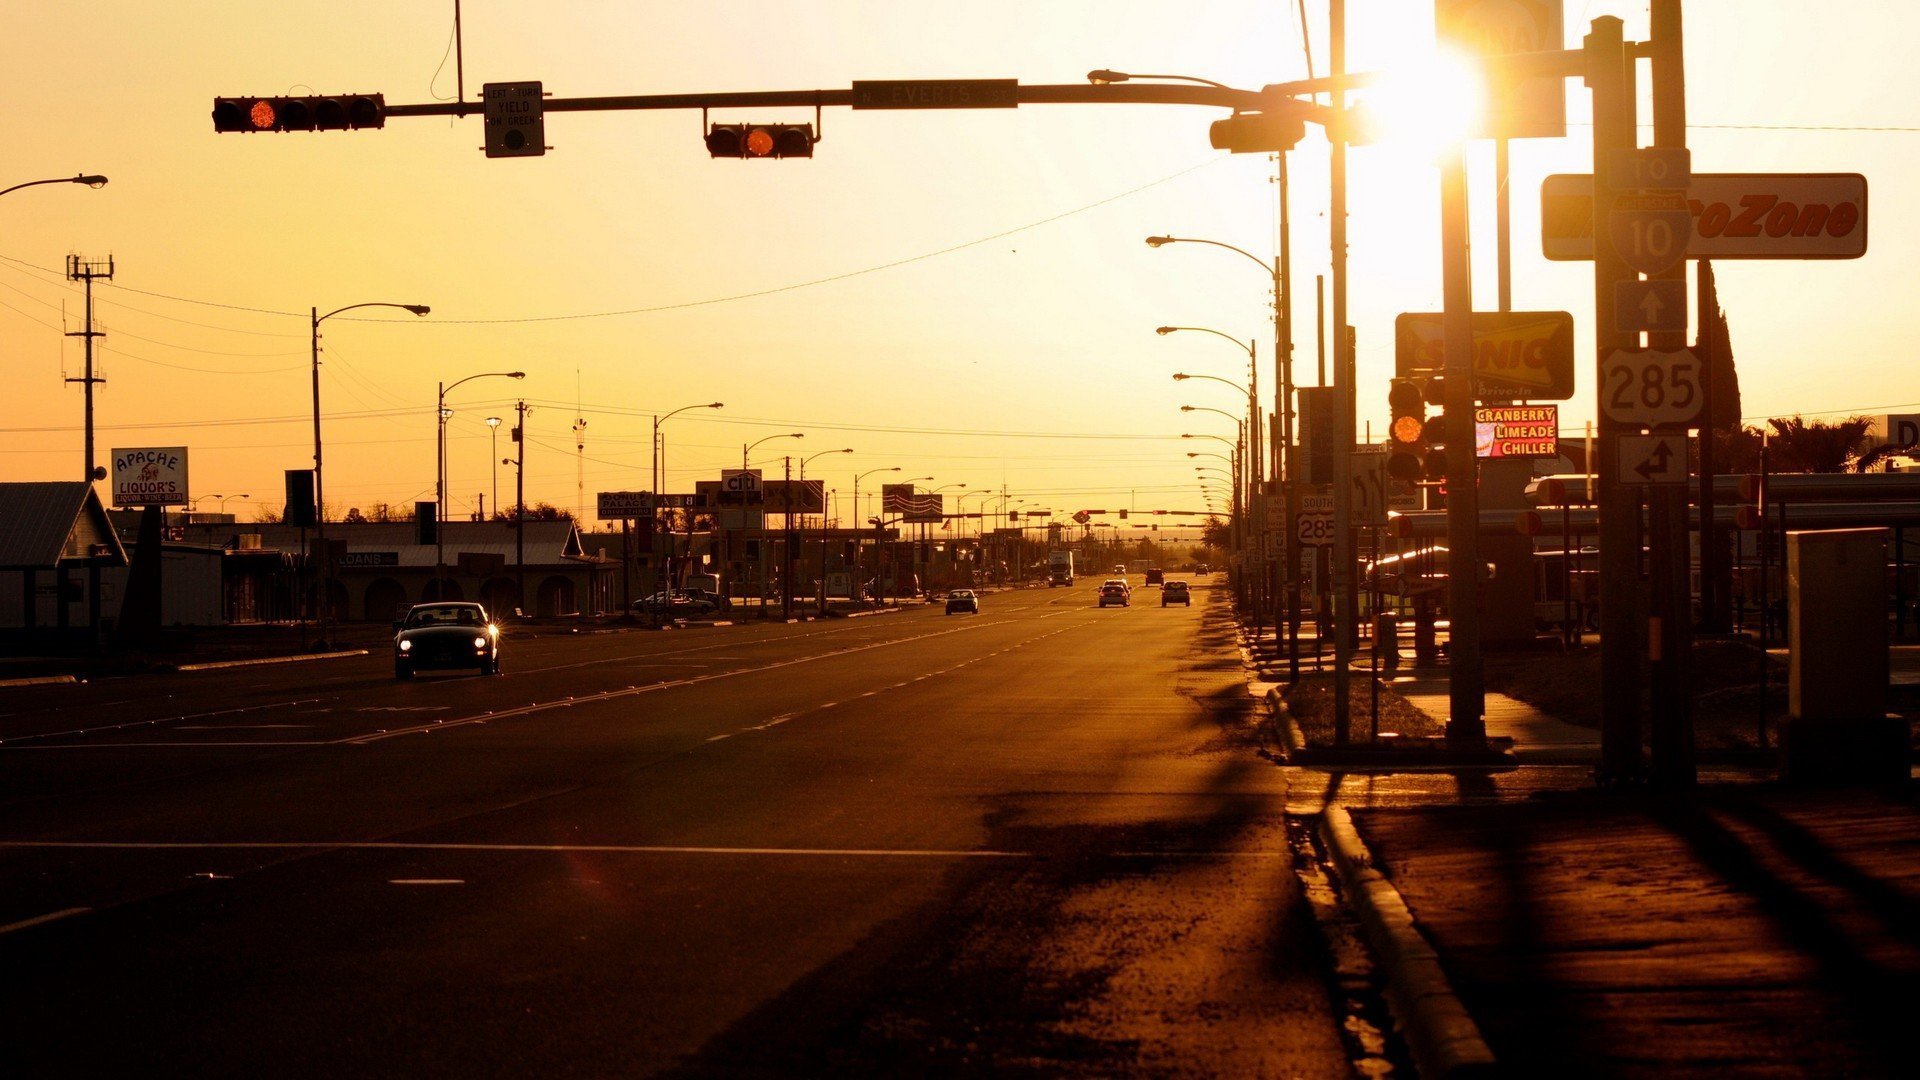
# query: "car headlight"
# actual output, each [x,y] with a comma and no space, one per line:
[406,646]
[479,643]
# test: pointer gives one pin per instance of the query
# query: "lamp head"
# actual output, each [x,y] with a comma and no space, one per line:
[1102,77]
[1159,241]
[516,374]
[1163,331]
[91,180]
[1186,408]
[493,421]
[717,405]
[1181,376]
[417,309]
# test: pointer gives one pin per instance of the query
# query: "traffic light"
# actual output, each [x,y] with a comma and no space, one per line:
[328,112]
[1407,430]
[761,140]
[1123,515]
[1434,431]
[1257,133]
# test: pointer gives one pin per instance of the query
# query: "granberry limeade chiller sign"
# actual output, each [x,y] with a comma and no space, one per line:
[150,476]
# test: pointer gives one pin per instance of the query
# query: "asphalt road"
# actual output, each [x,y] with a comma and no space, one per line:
[1038,840]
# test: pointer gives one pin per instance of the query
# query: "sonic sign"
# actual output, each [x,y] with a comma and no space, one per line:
[1517,355]
[150,476]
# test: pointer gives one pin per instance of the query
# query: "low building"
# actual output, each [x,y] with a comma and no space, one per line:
[55,540]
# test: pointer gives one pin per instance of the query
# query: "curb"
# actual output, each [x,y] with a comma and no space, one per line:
[1291,736]
[1444,1040]
[219,664]
[872,611]
[40,680]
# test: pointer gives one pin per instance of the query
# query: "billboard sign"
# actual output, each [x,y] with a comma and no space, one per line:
[911,505]
[794,496]
[623,505]
[150,476]
[1516,354]
[1522,107]
[1734,216]
[1516,431]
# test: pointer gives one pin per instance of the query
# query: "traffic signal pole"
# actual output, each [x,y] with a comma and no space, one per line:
[1610,76]
[1466,696]
[1343,597]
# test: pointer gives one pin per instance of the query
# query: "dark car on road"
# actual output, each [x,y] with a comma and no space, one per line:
[1115,593]
[963,600]
[1176,592]
[682,604]
[445,635]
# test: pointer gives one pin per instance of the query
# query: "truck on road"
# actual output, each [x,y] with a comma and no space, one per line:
[1059,568]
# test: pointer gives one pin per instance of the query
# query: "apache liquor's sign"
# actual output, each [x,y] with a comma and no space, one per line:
[150,476]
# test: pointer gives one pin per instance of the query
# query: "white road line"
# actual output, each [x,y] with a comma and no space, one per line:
[426,881]
[584,849]
[241,727]
[39,919]
[159,720]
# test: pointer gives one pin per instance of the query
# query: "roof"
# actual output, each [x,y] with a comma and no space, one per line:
[44,524]
[548,543]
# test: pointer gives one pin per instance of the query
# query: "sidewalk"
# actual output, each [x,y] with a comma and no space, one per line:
[1738,929]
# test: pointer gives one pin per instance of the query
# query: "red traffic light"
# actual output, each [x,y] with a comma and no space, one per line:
[760,140]
[326,112]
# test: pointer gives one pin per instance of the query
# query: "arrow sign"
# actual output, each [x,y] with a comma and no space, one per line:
[1650,307]
[1652,460]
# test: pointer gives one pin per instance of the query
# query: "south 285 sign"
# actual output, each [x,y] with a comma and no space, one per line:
[1651,386]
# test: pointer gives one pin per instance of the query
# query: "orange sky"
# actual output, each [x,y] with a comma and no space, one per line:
[935,291]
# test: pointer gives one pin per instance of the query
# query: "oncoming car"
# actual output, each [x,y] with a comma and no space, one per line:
[1176,592]
[445,635]
[1114,592]
[963,600]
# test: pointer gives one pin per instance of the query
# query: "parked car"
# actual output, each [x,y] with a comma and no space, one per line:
[1115,593]
[1176,592]
[445,635]
[681,604]
[963,600]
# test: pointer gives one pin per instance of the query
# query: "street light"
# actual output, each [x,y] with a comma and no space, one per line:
[748,447]
[440,477]
[493,422]
[91,181]
[319,479]
[857,477]
[1104,77]
[1282,468]
[194,503]
[659,474]
[229,498]
[1181,376]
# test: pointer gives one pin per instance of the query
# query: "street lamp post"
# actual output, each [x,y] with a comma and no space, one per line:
[440,477]
[229,498]
[1282,466]
[493,424]
[744,450]
[319,477]
[92,181]
[1240,452]
[658,470]
[822,609]
[1250,476]
[857,519]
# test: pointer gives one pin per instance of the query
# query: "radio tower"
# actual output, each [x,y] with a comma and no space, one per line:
[86,270]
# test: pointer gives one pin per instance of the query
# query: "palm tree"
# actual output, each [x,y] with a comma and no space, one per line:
[1798,445]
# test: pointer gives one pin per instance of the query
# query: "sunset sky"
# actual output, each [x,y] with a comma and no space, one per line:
[961,294]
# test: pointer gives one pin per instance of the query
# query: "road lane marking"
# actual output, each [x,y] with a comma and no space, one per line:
[426,881]
[38,920]
[601,849]
[668,684]
[241,727]
[159,720]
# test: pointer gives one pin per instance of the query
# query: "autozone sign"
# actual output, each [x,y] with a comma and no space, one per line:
[1735,216]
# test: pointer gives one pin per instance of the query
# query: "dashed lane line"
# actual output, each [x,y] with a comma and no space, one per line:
[40,920]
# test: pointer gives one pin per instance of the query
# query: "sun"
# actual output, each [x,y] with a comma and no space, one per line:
[1423,107]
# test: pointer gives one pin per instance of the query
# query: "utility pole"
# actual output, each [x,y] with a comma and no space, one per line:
[1609,75]
[1343,612]
[520,504]
[86,270]
[1466,700]
[786,545]
[1672,675]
